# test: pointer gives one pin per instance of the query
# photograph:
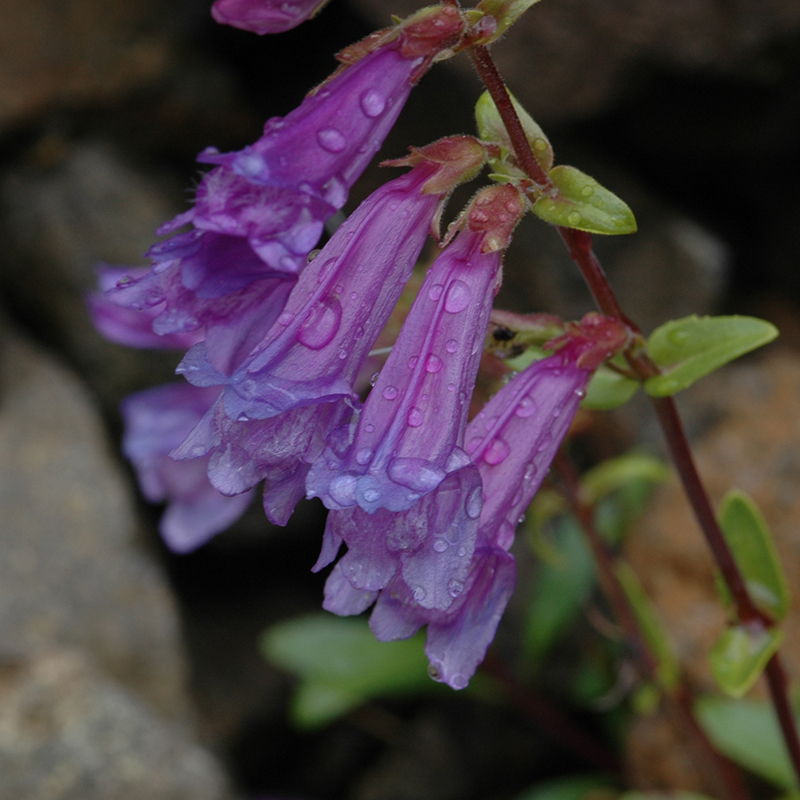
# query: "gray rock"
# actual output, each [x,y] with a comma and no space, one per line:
[70,570]
[67,733]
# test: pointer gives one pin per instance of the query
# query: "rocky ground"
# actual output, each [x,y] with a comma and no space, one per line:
[126,672]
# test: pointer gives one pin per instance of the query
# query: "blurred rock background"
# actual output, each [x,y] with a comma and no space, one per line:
[126,672]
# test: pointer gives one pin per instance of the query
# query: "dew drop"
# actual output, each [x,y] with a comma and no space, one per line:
[249,388]
[372,103]
[574,218]
[455,587]
[285,318]
[364,456]
[462,551]
[342,489]
[459,681]
[331,139]
[451,346]
[412,362]
[496,452]
[390,392]
[474,504]
[419,594]
[312,255]
[242,418]
[342,354]
[320,325]
[458,297]
[415,418]
[451,387]
[369,427]
[440,545]
[435,292]
[372,495]
[587,191]
[373,378]
[354,295]
[580,393]
[539,144]
[525,408]
[433,364]
[556,412]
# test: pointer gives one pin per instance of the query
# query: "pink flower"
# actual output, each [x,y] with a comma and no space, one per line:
[265,16]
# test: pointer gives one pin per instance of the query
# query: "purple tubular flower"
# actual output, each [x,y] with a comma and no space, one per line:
[277,410]
[261,211]
[265,16]
[410,433]
[157,420]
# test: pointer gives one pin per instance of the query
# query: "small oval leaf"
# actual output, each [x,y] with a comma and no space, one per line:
[747,732]
[739,656]
[690,348]
[580,202]
[608,389]
[750,539]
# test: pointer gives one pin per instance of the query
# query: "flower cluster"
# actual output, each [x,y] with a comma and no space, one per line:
[425,501]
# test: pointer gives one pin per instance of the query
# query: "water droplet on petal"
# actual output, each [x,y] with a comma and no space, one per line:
[440,545]
[451,387]
[374,378]
[364,456]
[462,551]
[458,297]
[369,427]
[412,362]
[342,489]
[372,103]
[433,364]
[435,292]
[474,504]
[285,318]
[455,587]
[525,408]
[320,325]
[419,594]
[580,393]
[372,495]
[459,681]
[312,255]
[473,444]
[496,452]
[451,346]
[331,139]
[390,392]
[415,418]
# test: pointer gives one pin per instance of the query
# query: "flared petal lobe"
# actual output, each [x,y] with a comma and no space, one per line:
[157,420]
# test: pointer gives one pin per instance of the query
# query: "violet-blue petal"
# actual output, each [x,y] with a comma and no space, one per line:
[457,642]
[342,599]
[157,420]
[341,302]
[265,16]
[413,422]
[322,146]
[515,437]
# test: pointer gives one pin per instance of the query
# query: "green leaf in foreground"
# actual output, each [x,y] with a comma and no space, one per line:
[749,537]
[580,202]
[739,656]
[747,732]
[688,349]
[341,665]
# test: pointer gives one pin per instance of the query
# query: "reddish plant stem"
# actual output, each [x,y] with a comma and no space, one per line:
[579,245]
[678,700]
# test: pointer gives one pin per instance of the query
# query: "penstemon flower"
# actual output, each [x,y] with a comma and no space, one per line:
[277,410]
[410,433]
[260,212]
[265,16]
[157,420]
[512,442]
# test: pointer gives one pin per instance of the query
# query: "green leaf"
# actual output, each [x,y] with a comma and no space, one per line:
[614,474]
[492,129]
[749,537]
[341,665]
[739,656]
[574,787]
[608,389]
[747,732]
[581,202]
[506,12]
[649,625]
[560,590]
[688,349]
